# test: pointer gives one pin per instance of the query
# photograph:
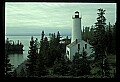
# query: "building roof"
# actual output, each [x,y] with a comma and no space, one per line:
[76,42]
[73,43]
[76,12]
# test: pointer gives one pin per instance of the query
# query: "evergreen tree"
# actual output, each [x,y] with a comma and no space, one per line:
[41,41]
[8,67]
[91,35]
[109,39]
[15,73]
[114,39]
[99,38]
[41,69]
[55,48]
[22,72]
[80,65]
[85,67]
[61,66]
[31,62]
[58,38]
[41,57]
[75,66]
[45,50]
[106,67]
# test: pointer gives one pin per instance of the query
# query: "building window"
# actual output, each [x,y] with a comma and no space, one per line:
[78,46]
[85,46]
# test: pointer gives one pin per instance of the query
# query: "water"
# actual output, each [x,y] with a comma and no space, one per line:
[17,59]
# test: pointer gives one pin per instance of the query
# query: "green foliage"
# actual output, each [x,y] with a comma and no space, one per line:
[55,49]
[14,73]
[22,72]
[106,68]
[99,34]
[40,67]
[42,57]
[7,66]
[80,65]
[31,62]
[61,66]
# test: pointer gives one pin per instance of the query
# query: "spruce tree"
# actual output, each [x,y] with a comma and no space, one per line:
[41,69]
[58,38]
[109,39]
[22,72]
[100,39]
[15,73]
[106,67]
[31,61]
[8,67]
[45,50]
[114,39]
[99,36]
[80,65]
[61,66]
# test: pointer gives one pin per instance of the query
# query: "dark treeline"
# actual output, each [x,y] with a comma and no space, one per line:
[51,58]
[43,58]
[103,37]
[108,34]
[48,58]
[7,65]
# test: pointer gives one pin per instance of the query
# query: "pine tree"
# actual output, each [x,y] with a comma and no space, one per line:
[42,57]
[99,38]
[41,41]
[58,38]
[15,73]
[55,48]
[91,35]
[8,67]
[22,72]
[80,65]
[106,67]
[41,69]
[114,39]
[100,33]
[45,50]
[61,66]
[31,62]
[109,39]
[85,67]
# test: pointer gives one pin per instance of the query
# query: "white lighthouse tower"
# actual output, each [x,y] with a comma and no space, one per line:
[76,29]
[77,44]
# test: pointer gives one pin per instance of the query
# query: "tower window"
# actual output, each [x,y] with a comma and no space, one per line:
[85,46]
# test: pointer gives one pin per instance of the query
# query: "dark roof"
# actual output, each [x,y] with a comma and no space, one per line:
[73,43]
[76,12]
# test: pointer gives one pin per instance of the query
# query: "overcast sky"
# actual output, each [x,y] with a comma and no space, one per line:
[33,17]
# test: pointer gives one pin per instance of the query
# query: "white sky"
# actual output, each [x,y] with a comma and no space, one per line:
[33,17]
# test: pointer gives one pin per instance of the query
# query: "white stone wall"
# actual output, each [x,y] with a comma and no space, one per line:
[73,49]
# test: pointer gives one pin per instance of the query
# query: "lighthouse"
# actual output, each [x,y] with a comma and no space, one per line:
[76,28]
[77,44]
